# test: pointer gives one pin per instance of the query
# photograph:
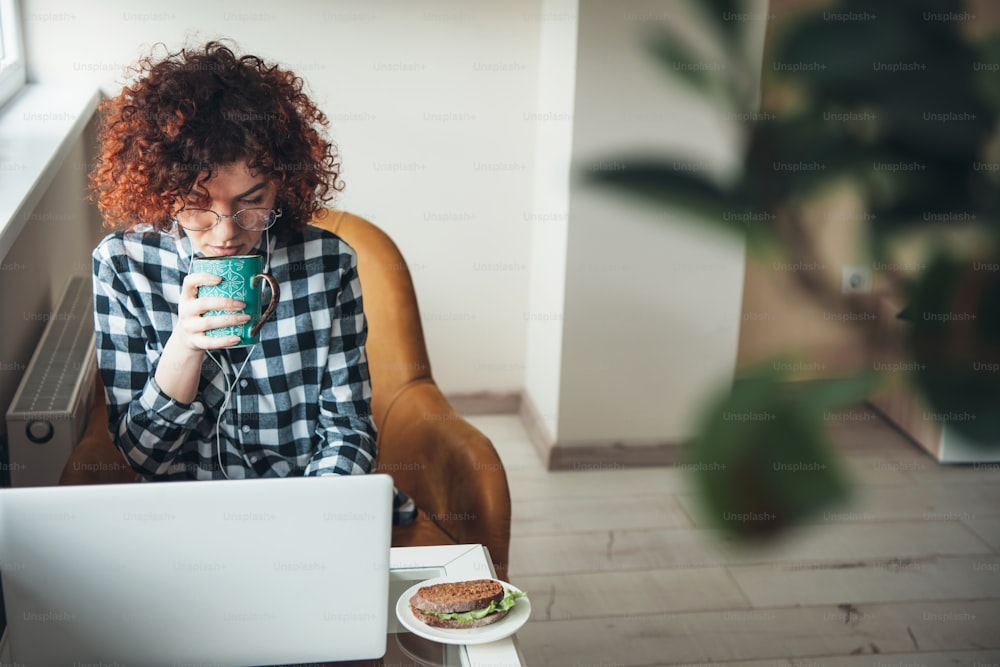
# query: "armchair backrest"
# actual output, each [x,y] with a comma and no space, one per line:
[397,353]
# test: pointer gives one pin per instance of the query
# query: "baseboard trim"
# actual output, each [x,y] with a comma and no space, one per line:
[581,456]
[534,426]
[613,455]
[486,403]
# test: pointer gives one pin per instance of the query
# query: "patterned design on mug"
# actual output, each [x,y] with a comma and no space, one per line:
[233,286]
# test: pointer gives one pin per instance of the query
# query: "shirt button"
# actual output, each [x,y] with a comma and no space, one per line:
[244,383]
[253,459]
[246,428]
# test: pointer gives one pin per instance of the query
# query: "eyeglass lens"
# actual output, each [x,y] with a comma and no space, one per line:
[251,219]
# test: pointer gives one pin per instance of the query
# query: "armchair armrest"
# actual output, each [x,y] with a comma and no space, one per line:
[449,468]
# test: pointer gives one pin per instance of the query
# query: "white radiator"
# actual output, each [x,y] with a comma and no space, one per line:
[52,403]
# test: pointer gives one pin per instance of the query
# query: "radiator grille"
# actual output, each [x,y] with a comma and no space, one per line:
[50,408]
[64,353]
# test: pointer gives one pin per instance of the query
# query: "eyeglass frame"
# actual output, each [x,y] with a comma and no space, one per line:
[275,214]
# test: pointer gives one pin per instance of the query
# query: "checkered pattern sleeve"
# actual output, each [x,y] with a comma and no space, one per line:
[345,429]
[146,425]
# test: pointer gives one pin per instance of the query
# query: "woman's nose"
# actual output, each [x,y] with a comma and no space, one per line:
[227,225]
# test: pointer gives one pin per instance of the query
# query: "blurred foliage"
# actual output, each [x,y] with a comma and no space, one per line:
[900,101]
[762,459]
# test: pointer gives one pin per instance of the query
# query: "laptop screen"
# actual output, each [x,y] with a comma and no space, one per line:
[243,572]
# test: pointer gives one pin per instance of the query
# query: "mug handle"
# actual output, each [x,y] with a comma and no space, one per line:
[275,293]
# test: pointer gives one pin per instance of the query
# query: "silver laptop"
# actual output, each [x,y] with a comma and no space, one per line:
[243,572]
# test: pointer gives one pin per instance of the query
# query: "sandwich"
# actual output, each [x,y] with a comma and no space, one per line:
[463,604]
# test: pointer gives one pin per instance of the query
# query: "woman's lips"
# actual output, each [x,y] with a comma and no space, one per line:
[220,251]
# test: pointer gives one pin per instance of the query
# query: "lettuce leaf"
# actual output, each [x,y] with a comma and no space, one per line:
[509,599]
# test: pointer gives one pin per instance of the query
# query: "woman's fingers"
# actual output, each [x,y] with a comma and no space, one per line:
[189,288]
[191,305]
[214,343]
[199,324]
[193,321]
[207,304]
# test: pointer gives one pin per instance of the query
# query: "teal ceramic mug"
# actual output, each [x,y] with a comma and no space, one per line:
[242,278]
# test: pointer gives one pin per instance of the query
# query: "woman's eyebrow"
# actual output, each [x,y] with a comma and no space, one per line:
[251,190]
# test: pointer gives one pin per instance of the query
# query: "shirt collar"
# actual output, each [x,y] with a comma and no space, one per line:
[185,250]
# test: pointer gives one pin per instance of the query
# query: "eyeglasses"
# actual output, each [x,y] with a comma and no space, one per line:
[250,219]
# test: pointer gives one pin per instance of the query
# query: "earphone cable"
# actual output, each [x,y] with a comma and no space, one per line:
[230,386]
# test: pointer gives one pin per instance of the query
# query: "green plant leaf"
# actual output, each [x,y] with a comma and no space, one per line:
[680,186]
[667,184]
[761,462]
[725,15]
[706,78]
[830,394]
[813,55]
[954,336]
[728,20]
[985,69]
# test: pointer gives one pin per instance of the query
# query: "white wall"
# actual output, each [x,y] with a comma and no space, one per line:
[430,103]
[549,217]
[652,299]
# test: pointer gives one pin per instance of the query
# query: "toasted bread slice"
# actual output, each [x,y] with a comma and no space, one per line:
[459,596]
[458,625]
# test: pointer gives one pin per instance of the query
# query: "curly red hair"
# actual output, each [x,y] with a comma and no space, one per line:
[195,110]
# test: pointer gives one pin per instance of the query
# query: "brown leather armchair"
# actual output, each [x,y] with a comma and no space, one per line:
[447,466]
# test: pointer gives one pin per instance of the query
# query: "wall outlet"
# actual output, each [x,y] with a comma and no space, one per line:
[856,279]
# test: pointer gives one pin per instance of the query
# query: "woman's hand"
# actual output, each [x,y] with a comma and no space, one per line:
[191,325]
[179,368]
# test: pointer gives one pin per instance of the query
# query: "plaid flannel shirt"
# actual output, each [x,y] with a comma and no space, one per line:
[301,405]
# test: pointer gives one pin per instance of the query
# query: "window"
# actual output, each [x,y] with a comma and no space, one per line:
[11,80]
[11,51]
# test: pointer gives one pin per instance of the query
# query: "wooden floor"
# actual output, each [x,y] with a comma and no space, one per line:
[621,571]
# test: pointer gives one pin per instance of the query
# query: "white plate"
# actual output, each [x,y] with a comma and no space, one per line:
[510,624]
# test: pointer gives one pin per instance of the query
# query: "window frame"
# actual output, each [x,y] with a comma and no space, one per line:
[12,66]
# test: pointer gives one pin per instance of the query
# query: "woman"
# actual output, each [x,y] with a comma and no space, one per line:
[210,154]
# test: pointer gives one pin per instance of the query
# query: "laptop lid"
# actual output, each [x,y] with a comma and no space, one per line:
[243,572]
